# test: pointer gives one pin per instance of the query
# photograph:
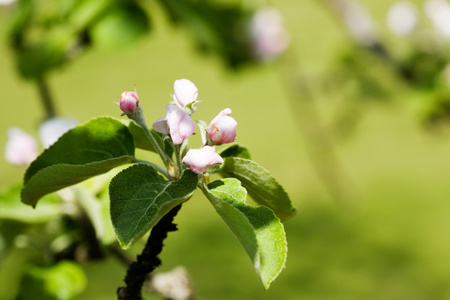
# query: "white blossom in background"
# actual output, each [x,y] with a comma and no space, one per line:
[21,148]
[174,285]
[51,130]
[438,11]
[270,37]
[359,23]
[402,18]
[6,2]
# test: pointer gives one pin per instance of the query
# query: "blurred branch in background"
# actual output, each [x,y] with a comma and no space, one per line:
[319,142]
[359,25]
[423,65]
[46,98]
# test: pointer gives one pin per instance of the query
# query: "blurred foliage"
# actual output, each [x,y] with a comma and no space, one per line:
[48,34]
[394,248]
[63,281]
[217,27]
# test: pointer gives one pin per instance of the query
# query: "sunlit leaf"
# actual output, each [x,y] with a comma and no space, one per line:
[140,197]
[257,228]
[261,185]
[12,209]
[235,151]
[83,152]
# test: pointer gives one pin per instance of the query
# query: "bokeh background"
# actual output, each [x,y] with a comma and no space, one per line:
[380,232]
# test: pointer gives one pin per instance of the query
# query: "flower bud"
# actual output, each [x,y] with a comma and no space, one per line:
[222,128]
[198,160]
[21,148]
[185,95]
[270,38]
[402,18]
[129,102]
[177,123]
[438,11]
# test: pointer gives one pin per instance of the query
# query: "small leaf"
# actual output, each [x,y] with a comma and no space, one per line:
[11,208]
[261,186]
[140,197]
[257,228]
[142,141]
[140,138]
[235,151]
[83,152]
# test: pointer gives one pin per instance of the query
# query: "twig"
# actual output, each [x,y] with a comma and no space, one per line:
[320,147]
[46,98]
[148,260]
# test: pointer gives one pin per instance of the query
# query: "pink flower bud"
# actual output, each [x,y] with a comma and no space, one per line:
[177,123]
[198,160]
[185,95]
[269,35]
[222,128]
[129,101]
[21,148]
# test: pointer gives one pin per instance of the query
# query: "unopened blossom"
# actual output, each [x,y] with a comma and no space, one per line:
[359,22]
[21,148]
[198,160]
[402,18]
[51,130]
[270,37]
[185,95]
[438,11]
[174,284]
[7,2]
[177,123]
[222,128]
[129,102]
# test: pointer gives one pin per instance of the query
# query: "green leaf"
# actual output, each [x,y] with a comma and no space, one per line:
[261,186]
[12,209]
[257,228]
[140,137]
[142,141]
[63,281]
[97,210]
[140,197]
[83,152]
[121,26]
[235,151]
[50,52]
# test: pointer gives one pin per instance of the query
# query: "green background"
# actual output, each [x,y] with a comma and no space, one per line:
[390,242]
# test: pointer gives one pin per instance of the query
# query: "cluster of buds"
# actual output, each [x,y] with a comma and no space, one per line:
[178,125]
